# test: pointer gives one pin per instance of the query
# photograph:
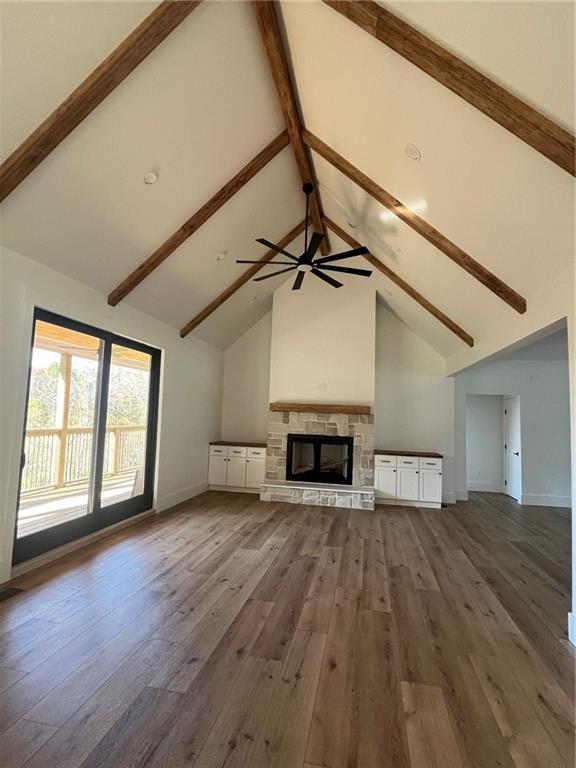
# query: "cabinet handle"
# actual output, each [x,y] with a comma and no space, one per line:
[247,461]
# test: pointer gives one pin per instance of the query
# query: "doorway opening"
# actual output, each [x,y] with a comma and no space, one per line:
[512,447]
[493,440]
[90,433]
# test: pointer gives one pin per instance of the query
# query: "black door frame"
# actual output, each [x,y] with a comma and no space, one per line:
[98,517]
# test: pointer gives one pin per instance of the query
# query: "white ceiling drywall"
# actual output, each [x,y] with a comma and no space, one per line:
[203,104]
[48,49]
[198,109]
[506,205]
[509,42]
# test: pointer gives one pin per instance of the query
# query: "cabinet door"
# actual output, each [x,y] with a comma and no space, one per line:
[236,474]
[407,484]
[385,485]
[217,470]
[431,485]
[254,473]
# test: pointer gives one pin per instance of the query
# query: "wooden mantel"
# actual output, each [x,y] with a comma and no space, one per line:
[321,408]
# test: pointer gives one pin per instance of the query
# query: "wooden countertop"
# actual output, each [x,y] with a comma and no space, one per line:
[424,454]
[246,443]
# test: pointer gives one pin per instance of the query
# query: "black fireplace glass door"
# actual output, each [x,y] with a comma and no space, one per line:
[320,459]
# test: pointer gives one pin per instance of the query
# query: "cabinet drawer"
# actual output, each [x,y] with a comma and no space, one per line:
[430,463]
[257,453]
[218,450]
[408,461]
[384,461]
[237,452]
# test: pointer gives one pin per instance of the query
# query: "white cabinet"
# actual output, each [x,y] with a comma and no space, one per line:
[236,474]
[409,480]
[431,485]
[385,482]
[217,470]
[408,486]
[235,467]
[254,472]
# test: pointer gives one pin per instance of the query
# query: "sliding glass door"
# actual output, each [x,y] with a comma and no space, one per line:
[90,433]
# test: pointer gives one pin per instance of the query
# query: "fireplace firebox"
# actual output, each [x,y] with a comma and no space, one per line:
[319,459]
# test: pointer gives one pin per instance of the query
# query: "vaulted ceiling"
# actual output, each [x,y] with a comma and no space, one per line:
[203,104]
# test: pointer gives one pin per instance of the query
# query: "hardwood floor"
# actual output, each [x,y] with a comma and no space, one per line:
[238,633]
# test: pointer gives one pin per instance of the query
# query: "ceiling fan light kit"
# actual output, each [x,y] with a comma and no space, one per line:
[306,263]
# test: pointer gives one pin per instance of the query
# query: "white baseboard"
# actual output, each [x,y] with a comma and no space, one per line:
[461,495]
[535,500]
[572,628]
[233,489]
[177,497]
[380,502]
[478,485]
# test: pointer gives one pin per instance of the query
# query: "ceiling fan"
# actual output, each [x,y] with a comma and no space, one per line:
[306,262]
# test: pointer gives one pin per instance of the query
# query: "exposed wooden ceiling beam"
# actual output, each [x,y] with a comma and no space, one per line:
[414,221]
[199,218]
[270,32]
[239,282]
[516,116]
[412,292]
[89,94]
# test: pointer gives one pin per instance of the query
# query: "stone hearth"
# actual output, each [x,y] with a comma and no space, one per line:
[359,426]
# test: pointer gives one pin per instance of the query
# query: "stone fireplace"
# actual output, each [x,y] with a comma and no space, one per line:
[340,475]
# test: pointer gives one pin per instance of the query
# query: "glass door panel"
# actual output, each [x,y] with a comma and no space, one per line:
[124,465]
[90,433]
[60,422]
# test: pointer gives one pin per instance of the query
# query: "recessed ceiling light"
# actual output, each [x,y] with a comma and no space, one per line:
[151,177]
[412,152]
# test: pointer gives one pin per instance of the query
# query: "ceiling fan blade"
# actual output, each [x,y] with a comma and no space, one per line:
[276,248]
[313,246]
[327,278]
[343,255]
[273,274]
[348,270]
[264,263]
[298,281]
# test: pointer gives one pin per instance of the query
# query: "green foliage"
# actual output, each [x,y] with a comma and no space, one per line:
[128,396]
[42,398]
[127,400]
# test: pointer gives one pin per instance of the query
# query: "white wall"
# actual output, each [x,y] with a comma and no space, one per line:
[414,403]
[484,443]
[190,391]
[323,342]
[543,386]
[245,391]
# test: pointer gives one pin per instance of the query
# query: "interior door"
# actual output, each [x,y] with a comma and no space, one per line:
[512,448]
[89,434]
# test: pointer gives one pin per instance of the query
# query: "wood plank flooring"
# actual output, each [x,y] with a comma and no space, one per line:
[240,634]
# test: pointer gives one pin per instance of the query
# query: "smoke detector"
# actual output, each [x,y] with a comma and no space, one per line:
[412,152]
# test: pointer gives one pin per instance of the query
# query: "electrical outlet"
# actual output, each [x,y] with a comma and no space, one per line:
[323,386]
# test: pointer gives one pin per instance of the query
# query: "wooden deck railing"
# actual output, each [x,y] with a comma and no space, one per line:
[56,458]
